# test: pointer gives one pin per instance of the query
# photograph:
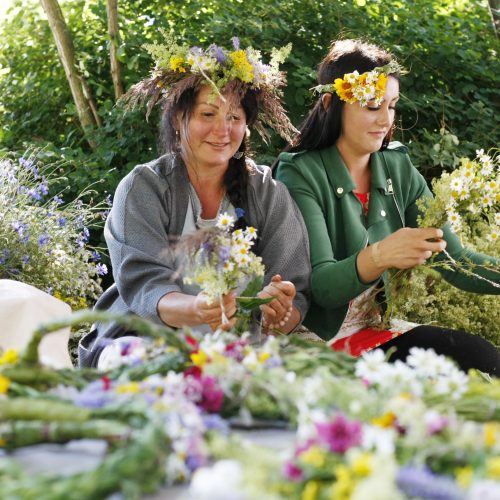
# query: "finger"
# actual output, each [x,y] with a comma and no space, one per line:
[437,246]
[431,233]
[268,312]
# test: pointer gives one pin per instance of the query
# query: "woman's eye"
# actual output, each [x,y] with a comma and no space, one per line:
[373,108]
[207,113]
[235,117]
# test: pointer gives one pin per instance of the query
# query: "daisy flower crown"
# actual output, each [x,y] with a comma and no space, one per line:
[180,67]
[369,86]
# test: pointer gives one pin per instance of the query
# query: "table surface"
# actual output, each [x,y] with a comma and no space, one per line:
[86,454]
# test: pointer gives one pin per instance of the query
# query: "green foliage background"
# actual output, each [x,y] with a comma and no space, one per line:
[450,97]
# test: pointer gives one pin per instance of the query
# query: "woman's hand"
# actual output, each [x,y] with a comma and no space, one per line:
[403,249]
[211,312]
[410,247]
[178,309]
[277,313]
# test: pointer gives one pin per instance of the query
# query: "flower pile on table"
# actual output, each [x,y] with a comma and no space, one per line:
[365,428]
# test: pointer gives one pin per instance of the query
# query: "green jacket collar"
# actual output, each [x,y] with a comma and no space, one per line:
[340,178]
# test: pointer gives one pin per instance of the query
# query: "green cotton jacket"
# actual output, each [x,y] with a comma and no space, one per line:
[322,187]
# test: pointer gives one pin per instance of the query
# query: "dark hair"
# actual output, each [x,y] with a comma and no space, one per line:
[322,128]
[236,176]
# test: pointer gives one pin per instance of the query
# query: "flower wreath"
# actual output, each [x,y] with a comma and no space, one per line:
[369,86]
[180,67]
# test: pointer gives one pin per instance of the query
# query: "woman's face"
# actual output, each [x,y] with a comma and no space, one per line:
[214,132]
[364,128]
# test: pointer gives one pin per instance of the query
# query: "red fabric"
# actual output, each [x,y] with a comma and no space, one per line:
[363,198]
[364,340]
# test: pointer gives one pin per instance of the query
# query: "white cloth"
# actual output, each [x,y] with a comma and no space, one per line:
[22,309]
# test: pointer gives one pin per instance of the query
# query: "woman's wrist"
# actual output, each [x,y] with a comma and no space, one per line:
[376,255]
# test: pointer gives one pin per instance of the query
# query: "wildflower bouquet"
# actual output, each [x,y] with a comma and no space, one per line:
[222,262]
[43,241]
[467,196]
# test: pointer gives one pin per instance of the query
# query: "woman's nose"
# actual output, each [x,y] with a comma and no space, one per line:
[222,125]
[384,116]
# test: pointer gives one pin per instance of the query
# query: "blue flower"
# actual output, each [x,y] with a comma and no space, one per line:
[58,200]
[108,200]
[26,259]
[80,221]
[96,256]
[43,239]
[102,269]
[62,221]
[4,256]
[239,212]
[218,53]
[86,233]
[418,482]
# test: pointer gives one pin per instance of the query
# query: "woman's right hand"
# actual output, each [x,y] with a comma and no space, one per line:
[409,247]
[210,312]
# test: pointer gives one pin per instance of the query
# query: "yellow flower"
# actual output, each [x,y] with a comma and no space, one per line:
[177,64]
[491,429]
[264,356]
[386,420]
[244,70]
[343,487]
[9,357]
[362,464]
[344,90]
[199,358]
[464,476]
[132,388]
[493,467]
[4,384]
[310,491]
[381,83]
[313,456]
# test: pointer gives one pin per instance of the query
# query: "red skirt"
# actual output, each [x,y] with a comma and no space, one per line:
[364,340]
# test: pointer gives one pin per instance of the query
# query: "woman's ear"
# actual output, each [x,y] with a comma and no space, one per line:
[326,100]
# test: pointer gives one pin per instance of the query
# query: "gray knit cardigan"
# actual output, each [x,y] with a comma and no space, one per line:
[148,215]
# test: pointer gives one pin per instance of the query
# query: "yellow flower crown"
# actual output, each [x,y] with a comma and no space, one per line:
[369,86]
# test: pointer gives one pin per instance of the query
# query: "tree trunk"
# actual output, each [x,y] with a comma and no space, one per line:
[495,14]
[112,12]
[88,117]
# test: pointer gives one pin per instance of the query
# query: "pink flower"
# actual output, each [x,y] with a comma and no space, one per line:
[292,472]
[340,434]
[212,395]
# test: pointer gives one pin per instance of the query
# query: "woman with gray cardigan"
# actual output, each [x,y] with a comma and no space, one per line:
[205,172]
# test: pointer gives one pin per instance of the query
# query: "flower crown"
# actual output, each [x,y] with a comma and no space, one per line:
[180,67]
[369,86]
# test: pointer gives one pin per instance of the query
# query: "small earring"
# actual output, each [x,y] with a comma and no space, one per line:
[177,136]
[238,155]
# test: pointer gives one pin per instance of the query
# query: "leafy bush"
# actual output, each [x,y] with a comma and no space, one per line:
[42,241]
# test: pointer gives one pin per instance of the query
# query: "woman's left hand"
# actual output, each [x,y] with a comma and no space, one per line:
[277,312]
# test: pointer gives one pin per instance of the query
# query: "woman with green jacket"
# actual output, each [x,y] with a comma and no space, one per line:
[358,195]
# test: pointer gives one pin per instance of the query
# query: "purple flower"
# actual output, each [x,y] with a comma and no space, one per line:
[292,472]
[224,252]
[212,395]
[101,269]
[418,482]
[85,233]
[29,165]
[217,423]
[43,239]
[20,228]
[58,200]
[26,259]
[4,256]
[340,434]
[62,221]
[34,194]
[108,200]
[80,221]
[96,395]
[44,188]
[236,42]
[193,462]
[218,53]
[96,256]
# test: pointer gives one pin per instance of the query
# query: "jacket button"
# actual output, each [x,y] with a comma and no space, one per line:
[340,190]
[382,213]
